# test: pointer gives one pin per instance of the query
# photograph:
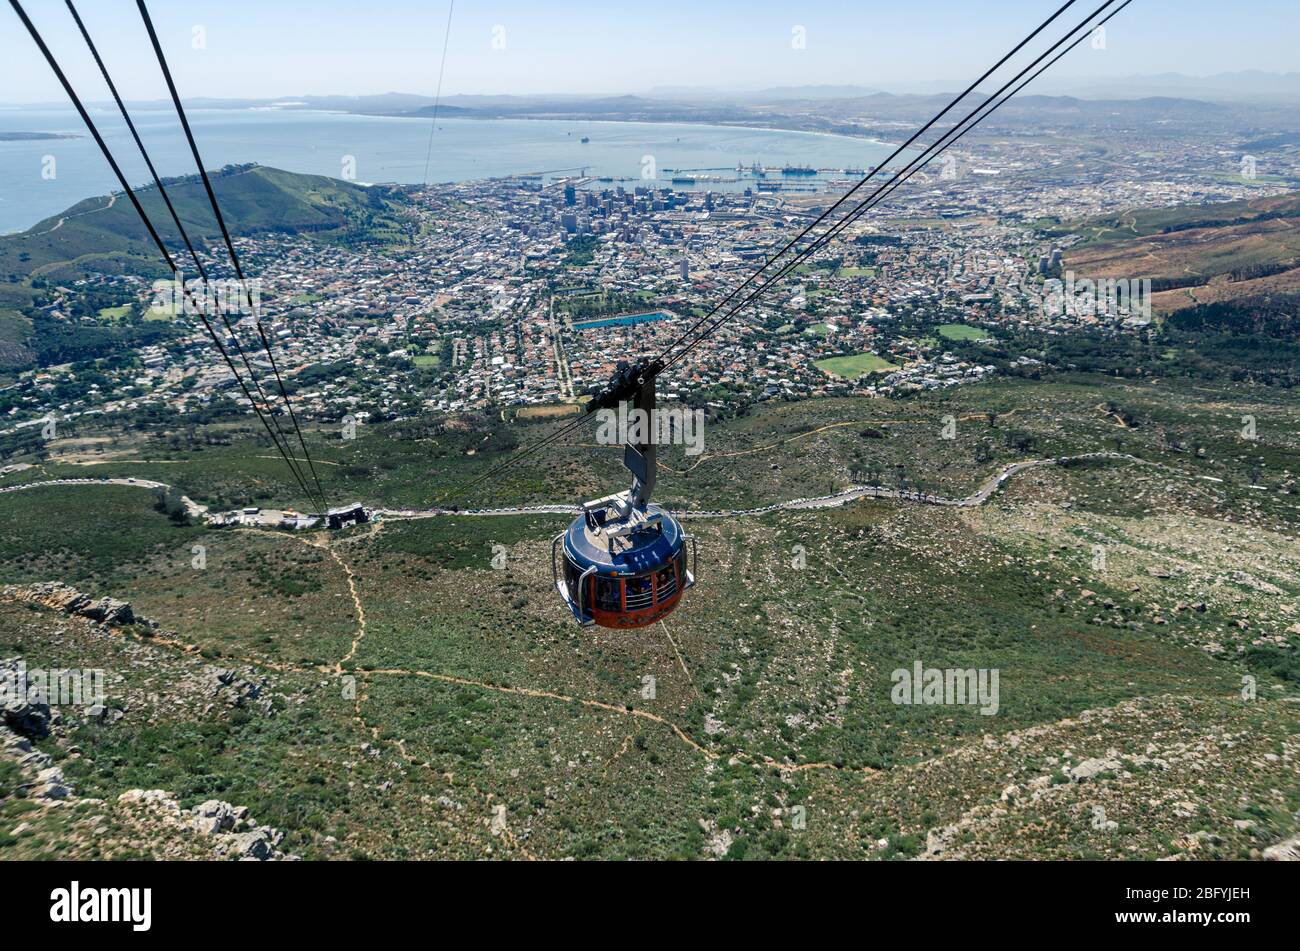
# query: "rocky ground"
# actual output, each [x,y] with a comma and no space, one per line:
[388,693]
[45,816]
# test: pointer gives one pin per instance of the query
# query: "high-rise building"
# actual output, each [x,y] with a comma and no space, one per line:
[686,268]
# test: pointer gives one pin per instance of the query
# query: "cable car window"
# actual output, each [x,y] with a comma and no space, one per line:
[639,593]
[666,582]
[681,564]
[608,594]
[571,575]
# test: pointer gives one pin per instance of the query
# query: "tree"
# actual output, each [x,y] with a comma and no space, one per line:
[168,501]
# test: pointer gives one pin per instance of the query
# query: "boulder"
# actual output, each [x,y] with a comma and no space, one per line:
[68,600]
[214,816]
[250,845]
[1287,850]
[109,611]
[1091,768]
[50,785]
[27,718]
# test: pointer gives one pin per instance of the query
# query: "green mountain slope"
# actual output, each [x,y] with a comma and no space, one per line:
[253,198]
[105,235]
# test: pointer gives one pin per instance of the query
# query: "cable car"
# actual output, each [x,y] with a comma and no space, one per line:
[624,561]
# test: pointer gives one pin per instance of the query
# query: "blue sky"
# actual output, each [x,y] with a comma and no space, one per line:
[281,48]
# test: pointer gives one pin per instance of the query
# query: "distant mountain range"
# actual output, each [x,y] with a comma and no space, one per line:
[1222,87]
[1245,86]
[824,108]
[1238,87]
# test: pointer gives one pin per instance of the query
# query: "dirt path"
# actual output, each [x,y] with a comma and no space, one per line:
[622,710]
[357,605]
[112,200]
[812,432]
[834,500]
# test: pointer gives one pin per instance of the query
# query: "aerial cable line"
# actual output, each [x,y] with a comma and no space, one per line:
[909,170]
[938,147]
[902,175]
[437,95]
[843,224]
[149,226]
[871,174]
[817,243]
[130,124]
[225,234]
[529,450]
[157,180]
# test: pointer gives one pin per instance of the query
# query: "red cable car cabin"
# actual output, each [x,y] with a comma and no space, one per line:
[620,572]
[624,558]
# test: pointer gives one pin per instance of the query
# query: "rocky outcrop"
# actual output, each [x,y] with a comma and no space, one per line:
[19,750]
[43,781]
[1090,769]
[232,832]
[51,785]
[27,718]
[57,596]
[20,711]
[1286,851]
[236,691]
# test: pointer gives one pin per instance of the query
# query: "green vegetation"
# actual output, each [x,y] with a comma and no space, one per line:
[594,304]
[856,365]
[475,690]
[80,534]
[962,332]
[581,250]
[115,313]
[106,234]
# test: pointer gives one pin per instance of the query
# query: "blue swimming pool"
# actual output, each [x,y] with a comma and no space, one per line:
[626,320]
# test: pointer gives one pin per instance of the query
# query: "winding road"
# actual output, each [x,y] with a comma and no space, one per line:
[834,500]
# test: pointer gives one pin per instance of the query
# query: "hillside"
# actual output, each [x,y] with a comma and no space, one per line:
[253,199]
[105,235]
[386,692]
[1195,254]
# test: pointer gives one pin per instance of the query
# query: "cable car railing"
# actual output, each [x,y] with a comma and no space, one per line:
[636,601]
[667,589]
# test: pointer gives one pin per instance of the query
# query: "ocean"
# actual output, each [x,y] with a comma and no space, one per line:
[40,178]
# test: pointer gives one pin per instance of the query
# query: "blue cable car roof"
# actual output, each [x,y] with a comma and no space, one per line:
[631,555]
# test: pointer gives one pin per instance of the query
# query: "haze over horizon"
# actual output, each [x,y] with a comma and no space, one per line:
[239,49]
